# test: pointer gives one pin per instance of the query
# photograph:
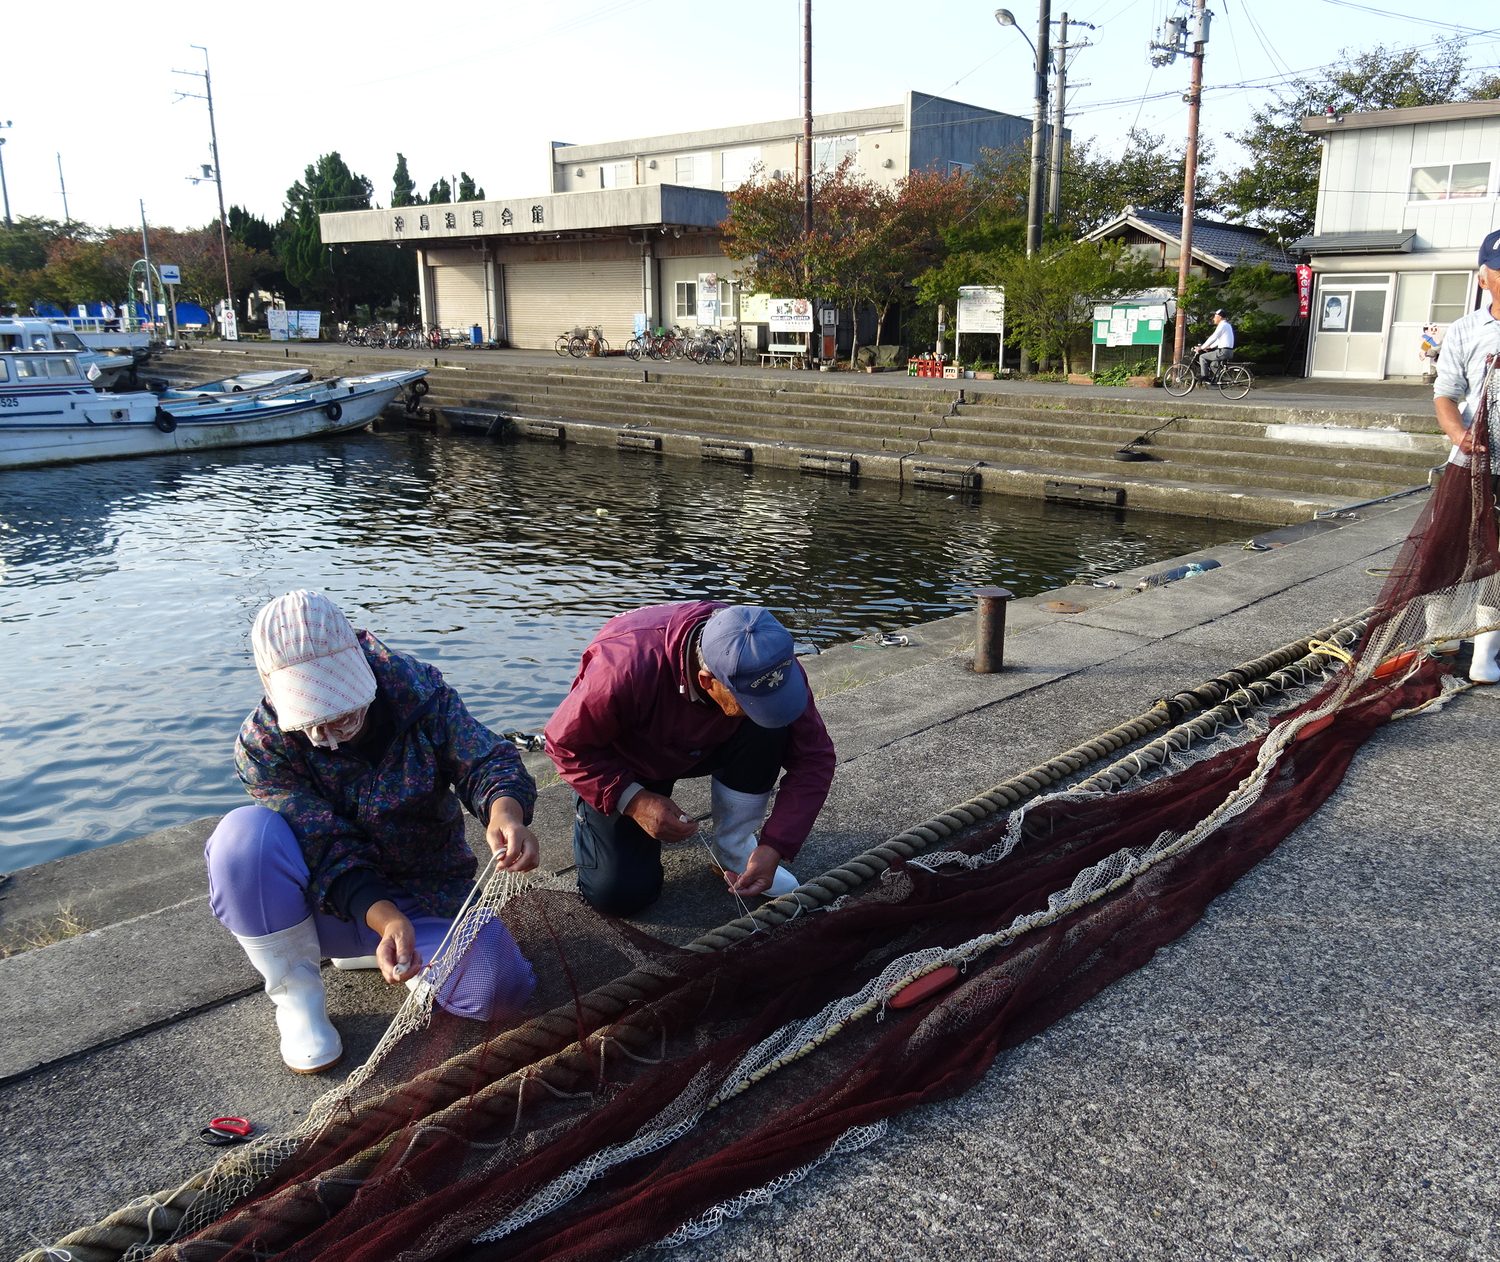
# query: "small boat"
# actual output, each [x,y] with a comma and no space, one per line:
[50,413]
[104,368]
[258,382]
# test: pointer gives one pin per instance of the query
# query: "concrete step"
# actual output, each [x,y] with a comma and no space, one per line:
[1022,440]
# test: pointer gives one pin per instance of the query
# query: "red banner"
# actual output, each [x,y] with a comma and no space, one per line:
[1304,290]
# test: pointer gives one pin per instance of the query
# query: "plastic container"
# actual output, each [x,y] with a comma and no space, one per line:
[476,336]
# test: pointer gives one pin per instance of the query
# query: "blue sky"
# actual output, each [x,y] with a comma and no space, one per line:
[484,87]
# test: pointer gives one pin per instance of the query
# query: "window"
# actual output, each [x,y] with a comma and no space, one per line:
[1449,180]
[687,299]
[617,175]
[960,168]
[829,151]
[693,170]
[4,371]
[738,166]
[1432,297]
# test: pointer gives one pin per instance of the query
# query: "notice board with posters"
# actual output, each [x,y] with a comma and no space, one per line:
[1130,324]
[293,326]
[981,309]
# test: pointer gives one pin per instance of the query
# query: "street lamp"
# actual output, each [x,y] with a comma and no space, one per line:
[3,190]
[1038,121]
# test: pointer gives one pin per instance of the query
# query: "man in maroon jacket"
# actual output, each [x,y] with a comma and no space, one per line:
[670,692]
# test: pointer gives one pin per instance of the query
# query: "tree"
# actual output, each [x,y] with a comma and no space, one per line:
[468,191]
[907,238]
[1277,189]
[1148,174]
[1049,295]
[764,228]
[362,274]
[1243,295]
[441,192]
[403,187]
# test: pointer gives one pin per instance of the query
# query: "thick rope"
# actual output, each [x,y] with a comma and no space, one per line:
[550,1045]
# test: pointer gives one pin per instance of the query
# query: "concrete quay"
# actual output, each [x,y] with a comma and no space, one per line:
[1291,448]
[1309,1073]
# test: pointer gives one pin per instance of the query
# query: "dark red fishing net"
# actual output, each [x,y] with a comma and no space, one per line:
[593,1132]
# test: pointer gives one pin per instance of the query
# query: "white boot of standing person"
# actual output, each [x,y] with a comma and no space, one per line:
[1484,668]
[737,820]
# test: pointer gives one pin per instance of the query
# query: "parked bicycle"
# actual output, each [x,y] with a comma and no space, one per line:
[581,341]
[1234,380]
[588,341]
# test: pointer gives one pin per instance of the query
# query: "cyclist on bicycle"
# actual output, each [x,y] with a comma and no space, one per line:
[1217,349]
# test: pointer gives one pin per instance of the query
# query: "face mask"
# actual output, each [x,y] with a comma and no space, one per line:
[342,729]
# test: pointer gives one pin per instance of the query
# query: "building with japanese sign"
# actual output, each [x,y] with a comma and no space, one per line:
[631,227]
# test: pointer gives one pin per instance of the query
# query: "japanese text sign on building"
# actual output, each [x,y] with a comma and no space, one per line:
[791,315]
[1130,324]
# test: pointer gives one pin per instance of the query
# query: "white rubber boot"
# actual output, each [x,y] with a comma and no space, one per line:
[288,960]
[1483,669]
[737,817]
[353,963]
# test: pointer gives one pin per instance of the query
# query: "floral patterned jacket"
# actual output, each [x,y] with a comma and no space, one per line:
[400,819]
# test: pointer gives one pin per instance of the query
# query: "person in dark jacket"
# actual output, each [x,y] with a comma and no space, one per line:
[361,761]
[671,692]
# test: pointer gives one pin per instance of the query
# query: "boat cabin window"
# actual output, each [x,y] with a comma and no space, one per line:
[41,342]
[10,341]
[4,371]
[67,342]
[29,367]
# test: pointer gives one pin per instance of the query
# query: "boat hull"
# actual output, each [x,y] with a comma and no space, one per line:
[80,429]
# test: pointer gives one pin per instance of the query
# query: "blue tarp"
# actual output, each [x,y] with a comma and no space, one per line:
[51,311]
[190,314]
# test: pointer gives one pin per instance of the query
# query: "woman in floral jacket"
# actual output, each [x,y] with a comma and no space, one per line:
[361,761]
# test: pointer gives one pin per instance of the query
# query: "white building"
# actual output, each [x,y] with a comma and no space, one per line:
[1404,199]
[627,228]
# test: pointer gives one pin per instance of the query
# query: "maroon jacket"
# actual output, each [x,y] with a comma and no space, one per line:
[635,713]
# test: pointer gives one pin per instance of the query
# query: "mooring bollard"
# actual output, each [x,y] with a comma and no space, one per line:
[989,638]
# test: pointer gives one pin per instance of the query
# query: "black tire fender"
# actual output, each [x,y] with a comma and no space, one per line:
[334,411]
[420,387]
[165,421]
[237,389]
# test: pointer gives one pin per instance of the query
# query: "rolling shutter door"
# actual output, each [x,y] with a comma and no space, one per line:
[543,299]
[460,298]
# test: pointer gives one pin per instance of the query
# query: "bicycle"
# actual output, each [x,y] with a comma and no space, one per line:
[587,342]
[1234,380]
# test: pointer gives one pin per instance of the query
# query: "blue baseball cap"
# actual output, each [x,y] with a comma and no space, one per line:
[752,655]
[1489,251]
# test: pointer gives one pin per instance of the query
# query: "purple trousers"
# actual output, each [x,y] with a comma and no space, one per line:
[257,884]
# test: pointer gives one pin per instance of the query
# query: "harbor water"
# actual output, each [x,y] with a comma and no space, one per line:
[127,588]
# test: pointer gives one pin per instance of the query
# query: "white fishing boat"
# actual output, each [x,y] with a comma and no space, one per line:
[51,414]
[103,368]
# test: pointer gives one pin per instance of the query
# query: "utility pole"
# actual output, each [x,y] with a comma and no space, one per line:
[213,141]
[807,119]
[1038,131]
[1034,188]
[5,192]
[1059,107]
[1173,40]
[63,188]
